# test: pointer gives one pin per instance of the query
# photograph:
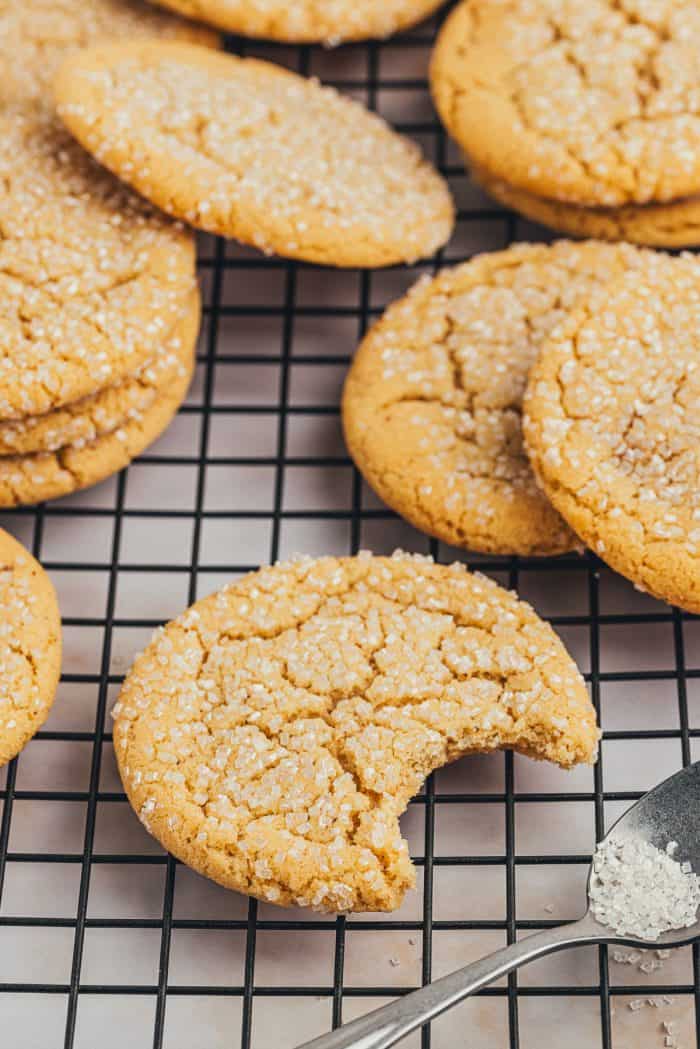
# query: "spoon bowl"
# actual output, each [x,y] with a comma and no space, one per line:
[669,812]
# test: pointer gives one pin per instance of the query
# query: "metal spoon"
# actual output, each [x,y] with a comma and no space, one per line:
[669,812]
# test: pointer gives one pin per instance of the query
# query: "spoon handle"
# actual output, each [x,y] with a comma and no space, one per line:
[386,1026]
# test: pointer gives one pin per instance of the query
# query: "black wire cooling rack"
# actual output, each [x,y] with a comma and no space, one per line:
[254,469]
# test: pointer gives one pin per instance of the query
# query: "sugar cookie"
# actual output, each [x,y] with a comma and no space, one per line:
[30,647]
[594,103]
[613,431]
[273,734]
[432,403]
[249,150]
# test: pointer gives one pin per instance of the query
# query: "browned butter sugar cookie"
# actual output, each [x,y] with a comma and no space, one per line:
[308,21]
[30,646]
[272,735]
[613,430]
[433,400]
[246,149]
[594,102]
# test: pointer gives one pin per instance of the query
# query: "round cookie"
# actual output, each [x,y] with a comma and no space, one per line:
[30,647]
[84,421]
[92,280]
[612,426]
[327,22]
[673,225]
[432,402]
[594,103]
[272,735]
[29,479]
[246,149]
[37,35]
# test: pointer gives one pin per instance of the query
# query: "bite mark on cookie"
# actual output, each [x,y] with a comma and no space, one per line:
[272,735]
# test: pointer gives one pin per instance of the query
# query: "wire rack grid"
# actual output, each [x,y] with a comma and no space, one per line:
[106,941]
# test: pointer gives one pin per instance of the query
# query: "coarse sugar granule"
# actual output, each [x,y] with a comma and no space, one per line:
[642,891]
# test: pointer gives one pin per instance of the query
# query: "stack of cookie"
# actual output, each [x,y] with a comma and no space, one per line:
[581,116]
[608,454]
[100,315]
[98,297]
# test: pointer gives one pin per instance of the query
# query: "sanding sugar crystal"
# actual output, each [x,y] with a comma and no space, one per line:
[641,891]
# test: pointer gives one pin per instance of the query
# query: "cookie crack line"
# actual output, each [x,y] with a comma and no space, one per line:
[585,168]
[26,654]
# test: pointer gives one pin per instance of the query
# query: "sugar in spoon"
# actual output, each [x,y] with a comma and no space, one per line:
[668,813]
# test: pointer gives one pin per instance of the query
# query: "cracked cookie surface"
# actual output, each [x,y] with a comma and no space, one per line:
[92,279]
[327,22]
[271,736]
[246,149]
[432,403]
[672,225]
[29,479]
[83,421]
[36,35]
[611,426]
[30,646]
[594,103]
